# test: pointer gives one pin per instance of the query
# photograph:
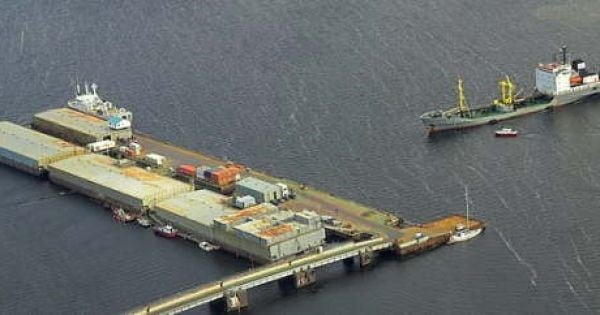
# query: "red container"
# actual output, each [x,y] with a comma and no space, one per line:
[187,170]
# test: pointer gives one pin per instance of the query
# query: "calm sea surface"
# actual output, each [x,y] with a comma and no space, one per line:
[328,93]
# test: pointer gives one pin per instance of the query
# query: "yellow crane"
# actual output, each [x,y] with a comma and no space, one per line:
[463,107]
[507,93]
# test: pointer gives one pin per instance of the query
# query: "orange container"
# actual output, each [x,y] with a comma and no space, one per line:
[576,80]
[225,176]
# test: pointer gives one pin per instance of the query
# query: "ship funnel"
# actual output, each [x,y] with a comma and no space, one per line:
[94,88]
[563,49]
[86,87]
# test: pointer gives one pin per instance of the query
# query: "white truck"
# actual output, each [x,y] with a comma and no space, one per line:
[154,159]
[101,145]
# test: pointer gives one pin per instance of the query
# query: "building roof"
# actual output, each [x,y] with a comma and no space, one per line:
[75,120]
[238,216]
[35,145]
[257,184]
[132,181]
[202,206]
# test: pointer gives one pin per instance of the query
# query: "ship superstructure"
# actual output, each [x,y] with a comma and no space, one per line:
[558,83]
[88,101]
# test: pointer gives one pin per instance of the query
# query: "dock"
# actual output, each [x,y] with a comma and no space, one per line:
[286,230]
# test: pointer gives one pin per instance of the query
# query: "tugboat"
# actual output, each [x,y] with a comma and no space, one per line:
[464,233]
[506,133]
[556,84]
[166,231]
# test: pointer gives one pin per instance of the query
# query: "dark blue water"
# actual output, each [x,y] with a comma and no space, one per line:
[328,93]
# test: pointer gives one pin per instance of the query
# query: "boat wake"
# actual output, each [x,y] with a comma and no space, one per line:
[533,277]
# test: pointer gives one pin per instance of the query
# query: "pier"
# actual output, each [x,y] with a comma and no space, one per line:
[288,236]
[233,290]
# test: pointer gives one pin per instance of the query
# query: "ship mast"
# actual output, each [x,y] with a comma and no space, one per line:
[463,107]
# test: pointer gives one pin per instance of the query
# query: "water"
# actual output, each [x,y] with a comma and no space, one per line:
[328,93]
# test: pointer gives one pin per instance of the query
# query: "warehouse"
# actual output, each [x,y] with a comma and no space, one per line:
[77,127]
[32,151]
[130,187]
[261,233]
[261,191]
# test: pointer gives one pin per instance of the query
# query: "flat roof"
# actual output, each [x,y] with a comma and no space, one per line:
[132,181]
[75,120]
[35,145]
[202,206]
[257,184]
[253,211]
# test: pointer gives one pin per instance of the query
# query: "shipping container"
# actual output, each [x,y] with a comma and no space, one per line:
[101,145]
[225,176]
[154,159]
[187,170]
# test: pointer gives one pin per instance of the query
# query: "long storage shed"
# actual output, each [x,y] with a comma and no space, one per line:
[31,151]
[130,187]
[76,126]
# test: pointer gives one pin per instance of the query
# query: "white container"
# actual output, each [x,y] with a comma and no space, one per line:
[101,145]
[590,78]
[154,159]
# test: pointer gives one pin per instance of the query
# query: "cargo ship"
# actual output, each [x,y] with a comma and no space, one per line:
[556,84]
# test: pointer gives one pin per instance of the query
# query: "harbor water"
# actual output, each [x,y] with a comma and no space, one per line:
[327,93]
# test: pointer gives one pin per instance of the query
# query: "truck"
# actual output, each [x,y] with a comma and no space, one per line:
[101,145]
[155,160]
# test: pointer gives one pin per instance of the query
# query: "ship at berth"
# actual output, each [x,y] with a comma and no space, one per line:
[556,84]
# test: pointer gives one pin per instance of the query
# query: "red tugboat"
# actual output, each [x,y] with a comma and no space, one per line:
[506,132]
[166,231]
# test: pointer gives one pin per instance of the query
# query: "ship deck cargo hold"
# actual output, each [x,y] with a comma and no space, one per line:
[31,151]
[261,233]
[130,187]
[77,127]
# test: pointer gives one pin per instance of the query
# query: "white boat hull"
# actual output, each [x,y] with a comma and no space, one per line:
[463,236]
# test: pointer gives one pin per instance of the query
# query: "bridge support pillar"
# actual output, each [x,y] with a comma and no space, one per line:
[304,278]
[236,300]
[366,258]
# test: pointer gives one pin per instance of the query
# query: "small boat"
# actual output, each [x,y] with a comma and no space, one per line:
[206,246]
[143,221]
[166,231]
[464,233]
[121,215]
[506,132]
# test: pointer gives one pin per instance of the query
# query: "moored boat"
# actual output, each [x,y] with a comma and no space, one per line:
[506,132]
[464,233]
[166,231]
[121,215]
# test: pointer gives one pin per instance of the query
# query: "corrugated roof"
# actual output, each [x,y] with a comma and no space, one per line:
[35,145]
[75,120]
[201,206]
[132,181]
[257,184]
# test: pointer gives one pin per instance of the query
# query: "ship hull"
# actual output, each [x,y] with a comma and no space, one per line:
[454,122]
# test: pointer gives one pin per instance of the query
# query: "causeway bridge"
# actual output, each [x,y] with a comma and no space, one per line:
[233,290]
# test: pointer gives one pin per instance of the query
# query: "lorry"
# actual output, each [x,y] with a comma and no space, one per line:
[155,160]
